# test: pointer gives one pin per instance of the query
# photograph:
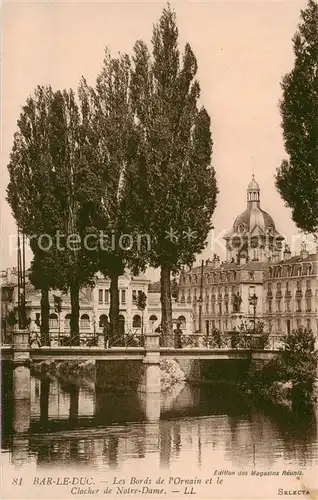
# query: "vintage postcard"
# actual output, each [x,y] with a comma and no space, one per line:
[159,291]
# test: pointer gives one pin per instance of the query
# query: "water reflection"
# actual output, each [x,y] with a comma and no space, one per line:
[195,424]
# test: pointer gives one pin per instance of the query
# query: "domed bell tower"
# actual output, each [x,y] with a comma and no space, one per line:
[253,236]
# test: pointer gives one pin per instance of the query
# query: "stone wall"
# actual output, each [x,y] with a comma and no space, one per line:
[119,375]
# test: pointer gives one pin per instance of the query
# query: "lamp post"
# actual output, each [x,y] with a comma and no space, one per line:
[253,301]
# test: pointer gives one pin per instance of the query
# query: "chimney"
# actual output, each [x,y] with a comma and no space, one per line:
[303,251]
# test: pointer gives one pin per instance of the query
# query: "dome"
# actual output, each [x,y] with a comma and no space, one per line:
[253,217]
[253,185]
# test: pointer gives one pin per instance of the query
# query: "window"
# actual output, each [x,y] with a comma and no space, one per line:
[53,321]
[287,286]
[121,324]
[279,287]
[251,275]
[134,296]
[153,318]
[308,304]
[220,308]
[308,324]
[269,287]
[278,306]
[84,321]
[38,319]
[226,307]
[270,306]
[298,284]
[123,297]
[136,321]
[278,325]
[103,320]
[288,305]
[307,284]
[251,291]
[298,323]
[106,296]
[182,321]
[100,296]
[298,305]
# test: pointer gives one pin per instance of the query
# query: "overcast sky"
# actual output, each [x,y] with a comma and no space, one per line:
[243,50]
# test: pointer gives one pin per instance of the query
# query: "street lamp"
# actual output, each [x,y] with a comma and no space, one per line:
[253,302]
[199,302]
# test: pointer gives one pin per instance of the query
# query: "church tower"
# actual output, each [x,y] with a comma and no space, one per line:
[253,236]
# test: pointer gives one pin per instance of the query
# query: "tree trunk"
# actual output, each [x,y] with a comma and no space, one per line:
[114,306]
[74,322]
[166,307]
[45,312]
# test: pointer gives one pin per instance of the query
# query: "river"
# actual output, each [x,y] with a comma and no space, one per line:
[201,428]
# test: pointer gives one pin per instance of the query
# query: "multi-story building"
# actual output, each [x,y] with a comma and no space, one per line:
[94,306]
[220,292]
[291,293]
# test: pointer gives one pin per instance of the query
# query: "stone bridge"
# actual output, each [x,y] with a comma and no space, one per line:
[123,368]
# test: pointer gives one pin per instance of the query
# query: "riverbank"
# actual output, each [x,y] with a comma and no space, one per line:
[171,373]
[259,384]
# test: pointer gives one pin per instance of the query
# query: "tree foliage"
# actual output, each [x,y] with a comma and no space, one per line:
[50,193]
[173,178]
[111,149]
[30,192]
[297,178]
[300,357]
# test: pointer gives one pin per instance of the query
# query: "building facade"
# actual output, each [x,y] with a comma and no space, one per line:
[94,306]
[286,290]
[290,297]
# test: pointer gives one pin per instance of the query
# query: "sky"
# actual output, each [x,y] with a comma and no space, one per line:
[243,49]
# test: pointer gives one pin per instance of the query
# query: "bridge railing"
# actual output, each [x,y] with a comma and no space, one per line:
[229,341]
[131,339]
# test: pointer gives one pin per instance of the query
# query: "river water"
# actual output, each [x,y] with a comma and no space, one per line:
[201,429]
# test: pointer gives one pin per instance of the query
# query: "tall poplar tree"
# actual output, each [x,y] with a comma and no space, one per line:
[30,193]
[173,179]
[111,150]
[49,193]
[297,177]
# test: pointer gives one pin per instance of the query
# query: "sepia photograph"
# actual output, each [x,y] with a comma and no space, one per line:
[159,250]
